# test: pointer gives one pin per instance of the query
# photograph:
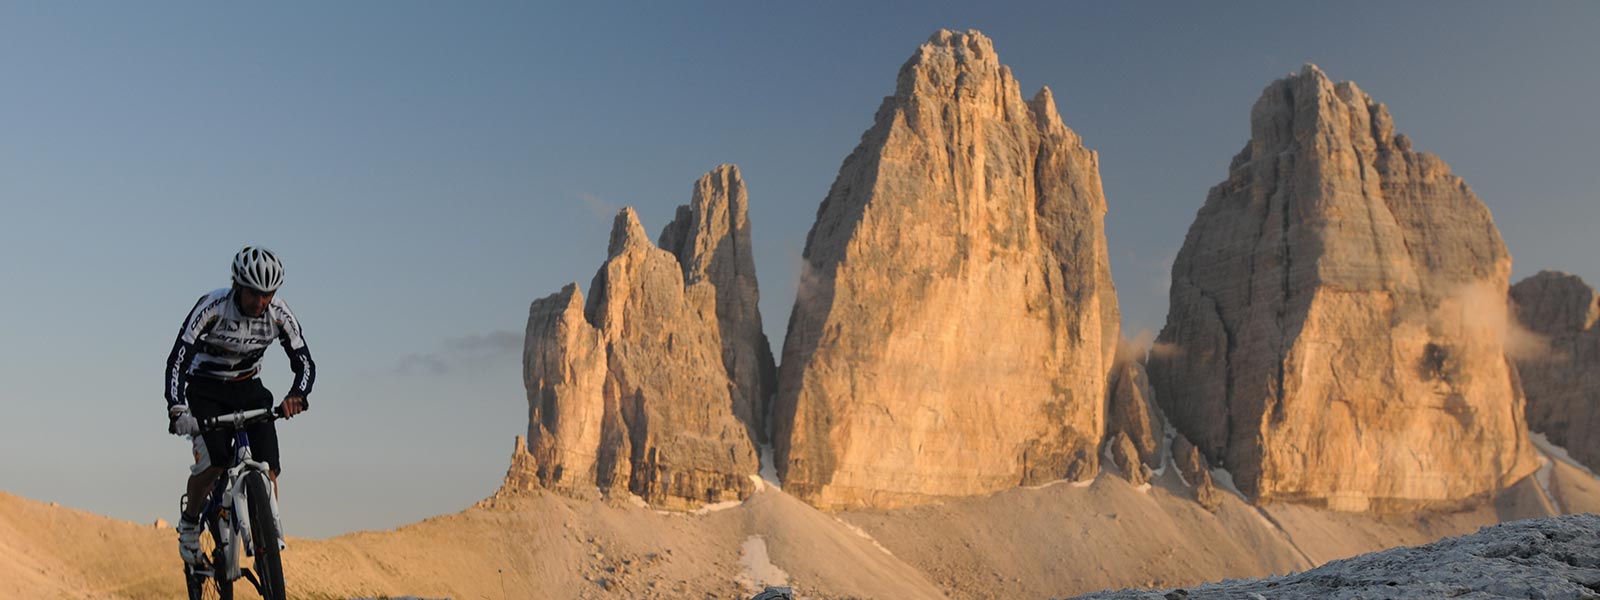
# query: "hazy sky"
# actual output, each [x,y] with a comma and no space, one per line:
[426,169]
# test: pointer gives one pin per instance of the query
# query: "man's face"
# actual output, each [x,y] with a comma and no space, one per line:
[254,303]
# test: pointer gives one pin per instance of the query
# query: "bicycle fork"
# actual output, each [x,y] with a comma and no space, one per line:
[240,507]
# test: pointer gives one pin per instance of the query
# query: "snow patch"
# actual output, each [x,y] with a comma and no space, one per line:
[1144,487]
[862,533]
[1559,453]
[759,572]
[718,507]
[1542,477]
[1223,479]
[1077,484]
[769,467]
[1168,433]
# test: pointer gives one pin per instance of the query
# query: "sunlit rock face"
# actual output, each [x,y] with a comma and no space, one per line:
[654,383]
[1561,375]
[711,238]
[955,320]
[1337,326]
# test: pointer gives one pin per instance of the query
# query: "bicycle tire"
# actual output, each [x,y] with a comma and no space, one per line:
[264,536]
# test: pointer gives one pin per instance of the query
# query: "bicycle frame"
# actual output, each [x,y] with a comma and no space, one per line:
[227,504]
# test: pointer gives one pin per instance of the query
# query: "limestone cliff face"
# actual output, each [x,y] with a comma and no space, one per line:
[628,389]
[711,238]
[1563,380]
[1336,326]
[956,319]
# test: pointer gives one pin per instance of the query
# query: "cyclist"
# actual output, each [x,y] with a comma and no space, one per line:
[213,371]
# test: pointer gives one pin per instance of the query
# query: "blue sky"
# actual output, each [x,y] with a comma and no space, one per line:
[427,169]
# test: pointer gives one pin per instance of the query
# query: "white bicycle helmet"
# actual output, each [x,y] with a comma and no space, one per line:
[258,269]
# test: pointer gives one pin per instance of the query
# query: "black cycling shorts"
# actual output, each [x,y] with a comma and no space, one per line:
[214,397]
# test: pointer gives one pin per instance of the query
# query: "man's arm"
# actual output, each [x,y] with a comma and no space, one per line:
[305,369]
[177,372]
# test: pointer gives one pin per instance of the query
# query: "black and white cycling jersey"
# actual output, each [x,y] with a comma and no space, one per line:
[221,342]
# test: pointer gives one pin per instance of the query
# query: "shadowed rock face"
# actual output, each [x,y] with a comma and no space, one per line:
[635,388]
[955,320]
[711,238]
[1563,380]
[1132,412]
[1336,329]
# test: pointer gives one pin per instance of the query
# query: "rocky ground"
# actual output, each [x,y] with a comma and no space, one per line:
[1552,557]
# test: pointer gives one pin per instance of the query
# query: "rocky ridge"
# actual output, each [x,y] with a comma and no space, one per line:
[1562,378]
[956,320]
[1336,316]
[1552,557]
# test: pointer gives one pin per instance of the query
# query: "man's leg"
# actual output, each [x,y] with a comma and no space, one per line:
[199,491]
[202,477]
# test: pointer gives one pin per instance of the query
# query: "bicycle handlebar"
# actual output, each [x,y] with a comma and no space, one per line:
[241,419]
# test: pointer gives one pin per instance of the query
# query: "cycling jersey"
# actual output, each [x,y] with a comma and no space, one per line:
[218,341]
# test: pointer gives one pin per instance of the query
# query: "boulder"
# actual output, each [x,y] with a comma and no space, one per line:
[1120,451]
[1196,472]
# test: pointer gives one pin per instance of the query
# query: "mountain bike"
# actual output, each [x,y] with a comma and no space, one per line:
[242,513]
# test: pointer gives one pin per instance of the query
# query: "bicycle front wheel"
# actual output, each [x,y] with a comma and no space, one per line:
[264,536]
[202,587]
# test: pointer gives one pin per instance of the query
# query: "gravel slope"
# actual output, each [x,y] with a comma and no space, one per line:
[1551,557]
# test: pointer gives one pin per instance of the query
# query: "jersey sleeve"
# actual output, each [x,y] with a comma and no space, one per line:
[199,320]
[294,344]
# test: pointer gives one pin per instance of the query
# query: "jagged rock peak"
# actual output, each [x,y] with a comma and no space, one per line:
[955,320]
[711,238]
[1132,411]
[946,52]
[523,474]
[1045,114]
[1555,302]
[627,233]
[962,67]
[711,234]
[629,392]
[1326,316]
[564,373]
[1560,366]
